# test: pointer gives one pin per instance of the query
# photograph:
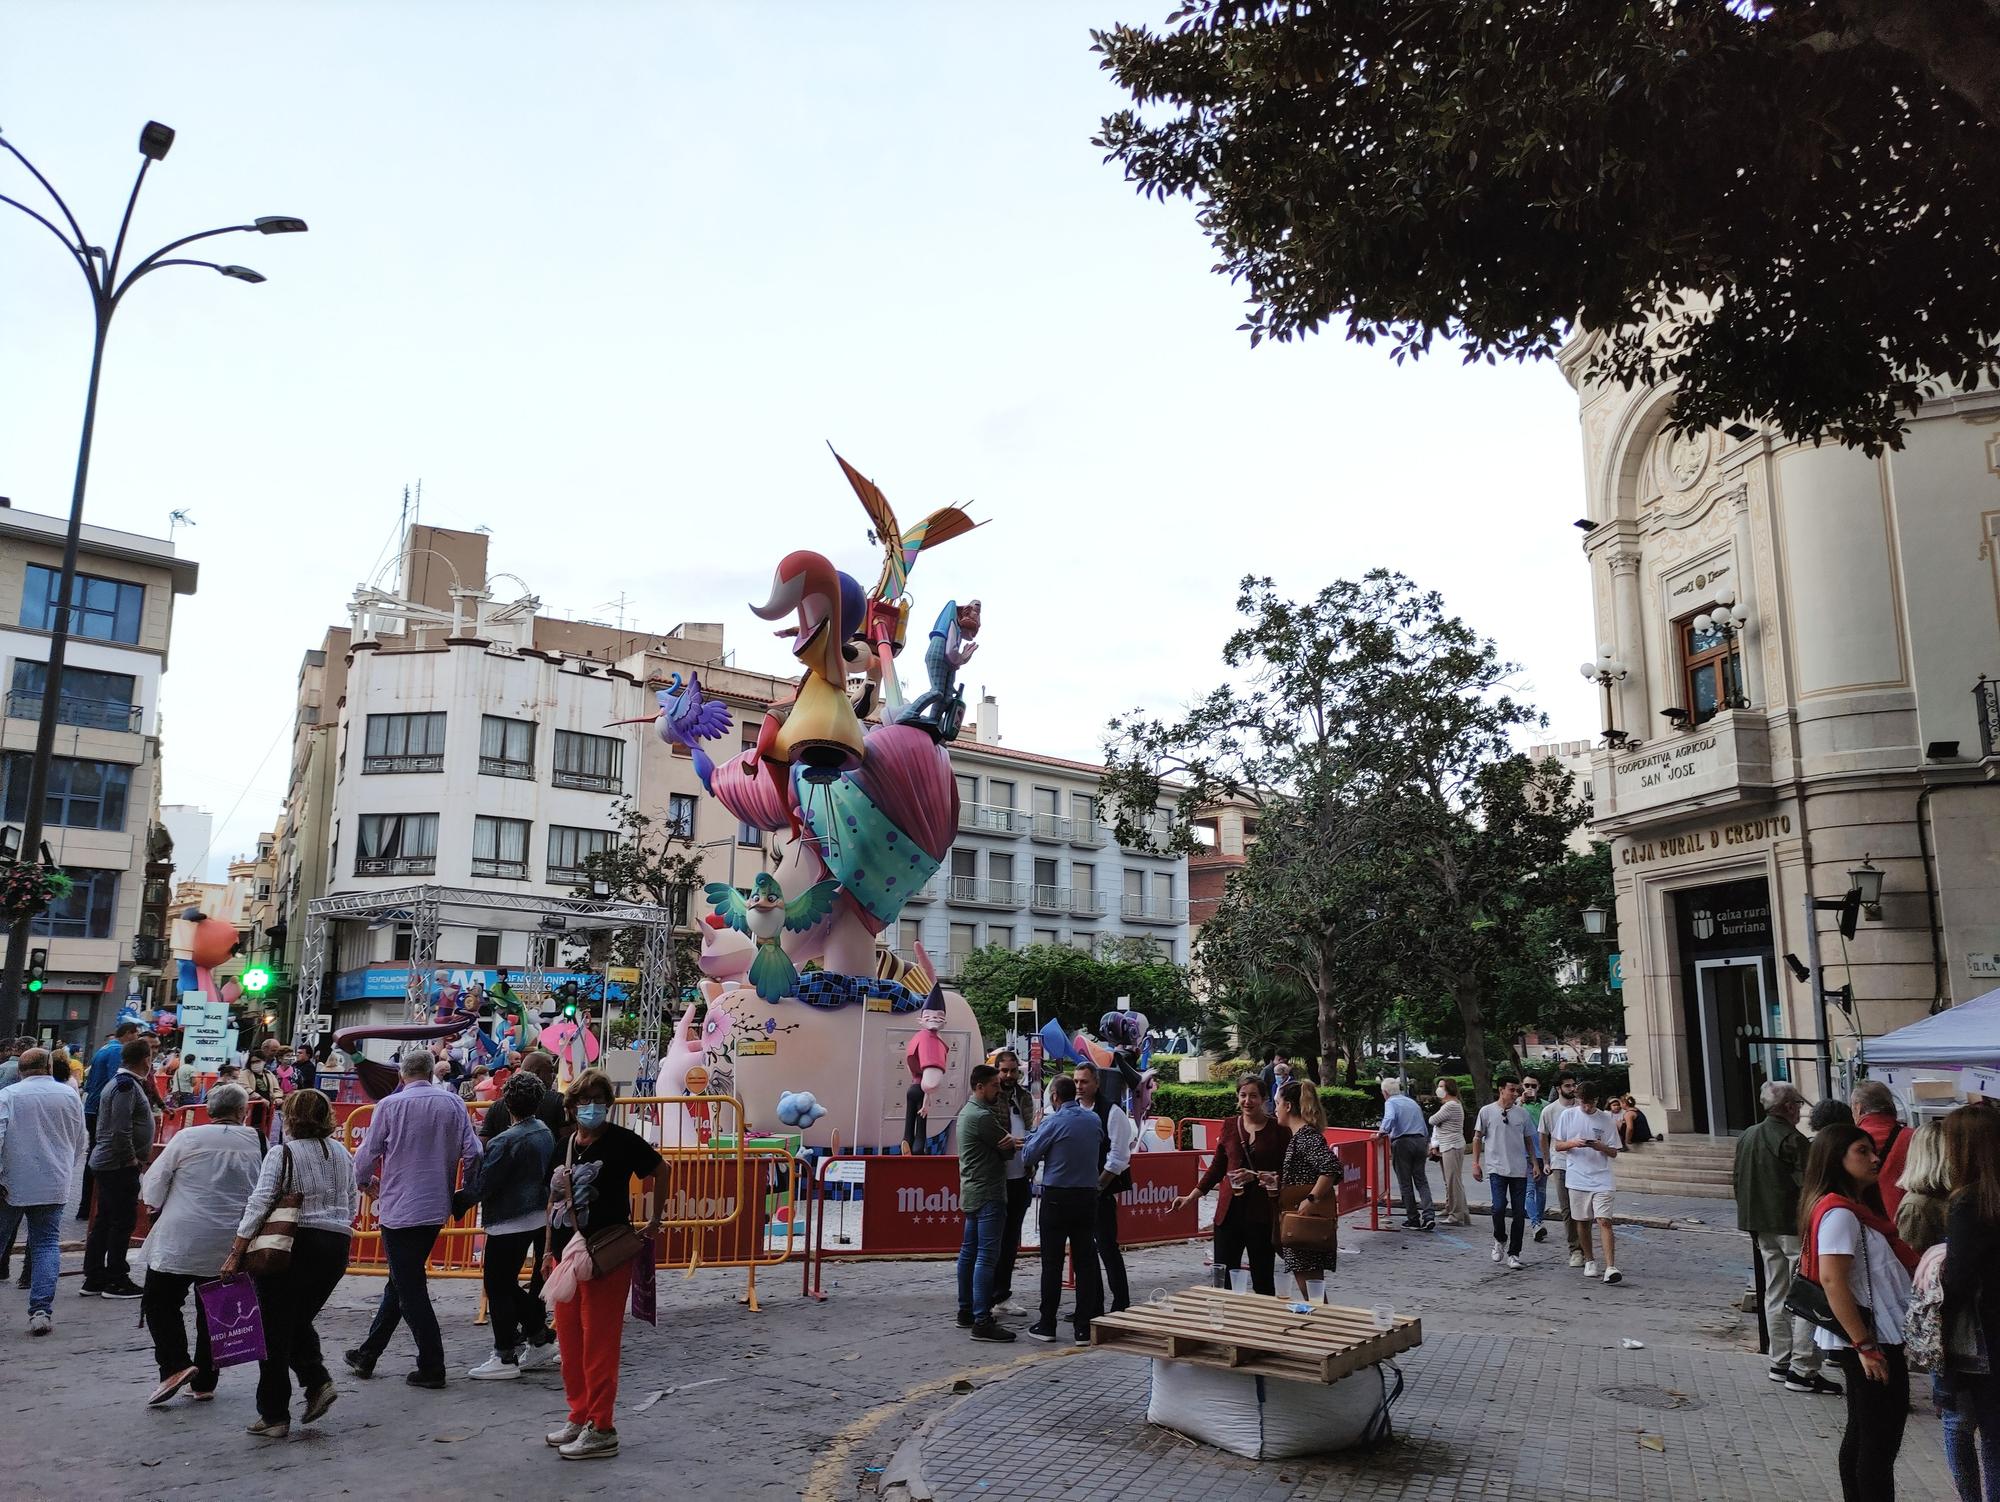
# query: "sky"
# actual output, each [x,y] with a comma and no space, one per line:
[606,278]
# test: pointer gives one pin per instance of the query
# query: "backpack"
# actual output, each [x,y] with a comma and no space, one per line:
[1923,1327]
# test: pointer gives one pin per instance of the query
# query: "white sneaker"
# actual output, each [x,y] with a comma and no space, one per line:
[1498,1252]
[1514,1264]
[557,1438]
[1612,1275]
[38,1322]
[592,1444]
[533,1358]
[1590,1269]
[1011,1306]
[1575,1257]
[493,1369]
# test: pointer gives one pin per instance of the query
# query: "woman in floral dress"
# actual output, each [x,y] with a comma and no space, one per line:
[1308,1160]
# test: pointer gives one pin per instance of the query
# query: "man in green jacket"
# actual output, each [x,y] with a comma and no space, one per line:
[1770,1162]
[983,1149]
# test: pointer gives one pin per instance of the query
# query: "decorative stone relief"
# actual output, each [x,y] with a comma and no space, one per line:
[1683,459]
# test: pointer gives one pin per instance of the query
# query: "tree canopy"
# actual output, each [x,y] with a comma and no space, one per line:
[1073,986]
[1792,209]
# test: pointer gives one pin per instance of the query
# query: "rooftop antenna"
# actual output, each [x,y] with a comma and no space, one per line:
[177,518]
[619,605]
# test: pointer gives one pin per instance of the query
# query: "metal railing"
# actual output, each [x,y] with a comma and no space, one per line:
[1053,828]
[90,714]
[1085,903]
[1049,899]
[500,766]
[971,889]
[396,865]
[574,876]
[991,818]
[925,893]
[1986,693]
[500,870]
[589,782]
[1150,839]
[1088,833]
[372,764]
[1156,910]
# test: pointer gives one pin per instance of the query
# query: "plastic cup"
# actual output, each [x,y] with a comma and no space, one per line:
[1239,1280]
[1385,1317]
[1315,1290]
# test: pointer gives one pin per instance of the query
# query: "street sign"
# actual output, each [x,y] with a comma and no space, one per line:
[622,975]
[844,1171]
[1615,964]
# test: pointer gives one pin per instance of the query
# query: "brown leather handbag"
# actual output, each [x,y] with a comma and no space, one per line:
[1306,1224]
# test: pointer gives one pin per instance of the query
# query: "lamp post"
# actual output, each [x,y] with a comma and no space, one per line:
[1728,620]
[1605,672]
[107,290]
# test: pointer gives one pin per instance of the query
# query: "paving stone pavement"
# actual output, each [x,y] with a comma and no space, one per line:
[1472,1423]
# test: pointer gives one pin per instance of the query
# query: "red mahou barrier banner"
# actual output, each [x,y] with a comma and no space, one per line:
[910,1204]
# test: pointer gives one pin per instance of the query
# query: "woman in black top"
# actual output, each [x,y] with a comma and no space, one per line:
[591,1192]
[1246,1165]
[1971,1284]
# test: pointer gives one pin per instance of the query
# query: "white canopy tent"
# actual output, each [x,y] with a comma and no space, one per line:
[1964,1038]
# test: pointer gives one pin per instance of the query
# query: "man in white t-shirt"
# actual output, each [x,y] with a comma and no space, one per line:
[1590,1137]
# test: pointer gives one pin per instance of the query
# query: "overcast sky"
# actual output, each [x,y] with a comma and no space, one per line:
[607,277]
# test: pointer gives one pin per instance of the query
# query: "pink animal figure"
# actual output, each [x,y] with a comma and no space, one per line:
[574,1045]
[689,1049]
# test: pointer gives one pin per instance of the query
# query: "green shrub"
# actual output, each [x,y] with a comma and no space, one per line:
[1184,1101]
[1168,1067]
[1229,1071]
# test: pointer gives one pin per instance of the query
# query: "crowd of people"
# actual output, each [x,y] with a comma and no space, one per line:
[550,1173]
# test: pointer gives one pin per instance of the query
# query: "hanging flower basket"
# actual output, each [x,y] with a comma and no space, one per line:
[27,887]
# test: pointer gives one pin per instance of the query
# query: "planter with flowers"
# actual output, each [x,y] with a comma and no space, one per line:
[27,887]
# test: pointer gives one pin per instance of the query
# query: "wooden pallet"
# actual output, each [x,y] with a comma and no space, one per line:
[1253,1333]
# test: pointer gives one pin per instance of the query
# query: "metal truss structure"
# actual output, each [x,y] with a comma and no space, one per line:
[429,910]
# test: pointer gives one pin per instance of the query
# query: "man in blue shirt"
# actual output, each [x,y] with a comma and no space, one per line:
[1409,1146]
[103,1068]
[1070,1146]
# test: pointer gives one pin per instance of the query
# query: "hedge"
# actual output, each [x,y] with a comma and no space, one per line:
[1168,1067]
[1343,1107]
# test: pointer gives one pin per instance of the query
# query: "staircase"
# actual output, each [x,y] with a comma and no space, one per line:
[1700,1167]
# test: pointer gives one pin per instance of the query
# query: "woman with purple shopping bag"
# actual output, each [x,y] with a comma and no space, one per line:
[317,1169]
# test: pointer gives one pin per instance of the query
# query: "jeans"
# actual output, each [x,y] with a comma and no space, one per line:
[89,1178]
[1537,1201]
[407,1296]
[1509,1191]
[978,1256]
[1115,1281]
[1020,1194]
[289,1304]
[517,1314]
[160,1306]
[105,1249]
[1410,1153]
[1069,1222]
[1876,1413]
[1969,1405]
[44,1252]
[1791,1337]
[1245,1234]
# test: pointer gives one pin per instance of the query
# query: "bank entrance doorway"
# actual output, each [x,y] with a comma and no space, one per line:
[1734,1004]
[1730,998]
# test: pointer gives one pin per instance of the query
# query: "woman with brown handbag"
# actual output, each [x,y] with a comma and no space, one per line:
[1307,1186]
[591,1197]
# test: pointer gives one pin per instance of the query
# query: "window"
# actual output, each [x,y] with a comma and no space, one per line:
[569,848]
[748,833]
[964,939]
[968,790]
[909,934]
[89,912]
[595,763]
[1047,801]
[80,795]
[1000,867]
[500,848]
[103,609]
[964,864]
[92,699]
[680,814]
[486,949]
[506,747]
[403,942]
[404,743]
[397,845]
[1001,934]
[999,794]
[1047,936]
[1710,676]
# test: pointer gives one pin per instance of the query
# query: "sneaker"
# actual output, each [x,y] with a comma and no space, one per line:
[1007,1306]
[1498,1251]
[1541,1233]
[433,1380]
[1590,1269]
[1514,1264]
[169,1386]
[557,1438]
[276,1429]
[318,1400]
[39,1322]
[22,1281]
[1430,1224]
[1046,1334]
[1082,1337]
[90,1290]
[126,1290]
[1575,1257]
[534,1358]
[1812,1382]
[1612,1275]
[495,1368]
[991,1329]
[965,1319]
[359,1362]
[592,1444]
[1782,1372]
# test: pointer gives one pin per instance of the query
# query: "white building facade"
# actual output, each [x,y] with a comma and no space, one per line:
[1848,722]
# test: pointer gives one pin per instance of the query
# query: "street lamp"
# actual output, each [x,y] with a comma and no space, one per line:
[1728,620]
[1604,672]
[1594,920]
[1865,881]
[107,290]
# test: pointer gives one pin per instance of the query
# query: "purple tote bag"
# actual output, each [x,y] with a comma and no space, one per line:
[235,1324]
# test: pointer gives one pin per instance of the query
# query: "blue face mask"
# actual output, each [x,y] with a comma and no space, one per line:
[592,1115]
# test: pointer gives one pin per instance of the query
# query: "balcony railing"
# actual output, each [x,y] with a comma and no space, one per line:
[1155,910]
[1149,839]
[951,965]
[1049,899]
[991,818]
[146,950]
[1987,694]
[1053,828]
[500,766]
[590,782]
[90,714]
[977,893]
[1084,903]
[372,764]
[567,876]
[500,870]
[925,893]
[396,865]
[1088,833]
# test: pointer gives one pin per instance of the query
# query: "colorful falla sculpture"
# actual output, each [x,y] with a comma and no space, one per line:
[858,780]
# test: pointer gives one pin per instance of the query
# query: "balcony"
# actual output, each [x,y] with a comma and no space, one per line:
[1726,760]
[1086,832]
[970,891]
[1084,903]
[589,782]
[90,714]
[951,965]
[1986,694]
[1155,910]
[925,893]
[500,766]
[500,870]
[1053,829]
[1151,839]
[567,876]
[396,865]
[146,950]
[991,818]
[375,764]
[1049,899]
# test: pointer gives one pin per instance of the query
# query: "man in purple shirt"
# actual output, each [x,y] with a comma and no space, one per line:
[414,1147]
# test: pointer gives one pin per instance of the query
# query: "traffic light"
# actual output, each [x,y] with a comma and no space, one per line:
[38,969]
[255,980]
[570,1004]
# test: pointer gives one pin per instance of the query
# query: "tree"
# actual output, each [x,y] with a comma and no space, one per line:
[649,863]
[1792,209]
[1070,984]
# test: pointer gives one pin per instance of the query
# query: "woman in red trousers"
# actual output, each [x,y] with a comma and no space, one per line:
[593,1191]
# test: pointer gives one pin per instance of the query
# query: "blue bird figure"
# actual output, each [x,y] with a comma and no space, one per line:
[687,719]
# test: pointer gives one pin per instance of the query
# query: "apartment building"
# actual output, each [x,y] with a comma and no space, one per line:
[104,784]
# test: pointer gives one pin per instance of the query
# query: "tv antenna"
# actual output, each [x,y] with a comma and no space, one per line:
[177,518]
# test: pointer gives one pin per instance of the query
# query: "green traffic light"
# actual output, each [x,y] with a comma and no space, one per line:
[34,985]
[255,981]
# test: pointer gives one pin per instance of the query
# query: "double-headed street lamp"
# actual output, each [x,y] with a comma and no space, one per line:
[107,290]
